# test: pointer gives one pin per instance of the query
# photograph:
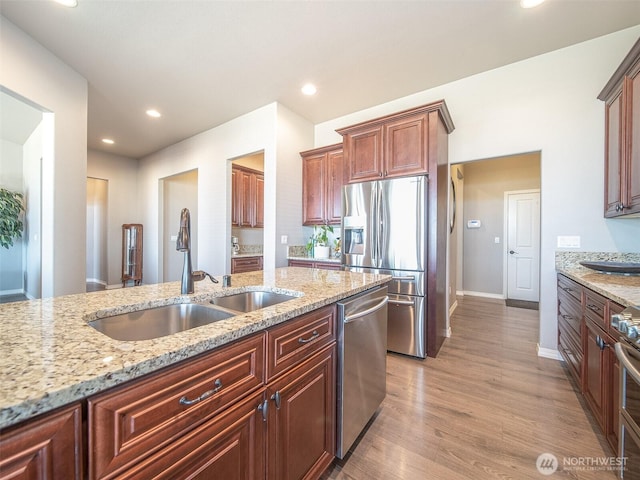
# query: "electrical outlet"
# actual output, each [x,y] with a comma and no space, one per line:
[569,241]
[496,240]
[284,239]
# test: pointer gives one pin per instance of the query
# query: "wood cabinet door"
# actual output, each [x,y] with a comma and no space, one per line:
[259,202]
[632,160]
[301,425]
[313,189]
[47,448]
[594,372]
[614,111]
[236,197]
[230,446]
[406,147]
[612,420]
[247,187]
[363,153]
[335,181]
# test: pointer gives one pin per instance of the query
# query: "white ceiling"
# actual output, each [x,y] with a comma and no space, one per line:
[202,63]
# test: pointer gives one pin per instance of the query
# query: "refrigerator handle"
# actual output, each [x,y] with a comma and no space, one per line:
[381,232]
[374,224]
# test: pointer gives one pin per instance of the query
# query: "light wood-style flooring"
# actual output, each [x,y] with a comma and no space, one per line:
[486,408]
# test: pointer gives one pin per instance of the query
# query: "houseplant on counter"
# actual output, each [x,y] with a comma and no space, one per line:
[11,207]
[318,244]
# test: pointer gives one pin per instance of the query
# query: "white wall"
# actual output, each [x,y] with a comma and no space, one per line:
[295,135]
[548,104]
[37,75]
[209,152]
[122,205]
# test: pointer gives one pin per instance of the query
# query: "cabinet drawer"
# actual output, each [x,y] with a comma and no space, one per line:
[571,313]
[572,355]
[131,422]
[246,264]
[568,331]
[292,342]
[594,309]
[570,288]
[228,446]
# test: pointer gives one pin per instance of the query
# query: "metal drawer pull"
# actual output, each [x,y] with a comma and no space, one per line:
[593,308]
[566,289]
[205,395]
[405,278]
[264,408]
[276,397]
[566,317]
[313,336]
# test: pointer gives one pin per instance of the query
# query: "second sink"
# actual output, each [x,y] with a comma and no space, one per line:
[250,301]
[158,322]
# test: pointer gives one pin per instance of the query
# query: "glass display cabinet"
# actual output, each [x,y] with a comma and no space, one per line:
[131,253]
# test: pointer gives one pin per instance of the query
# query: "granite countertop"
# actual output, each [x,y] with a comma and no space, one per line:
[622,289]
[313,259]
[50,356]
[245,255]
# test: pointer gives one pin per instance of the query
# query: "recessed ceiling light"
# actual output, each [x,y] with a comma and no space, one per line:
[67,3]
[530,3]
[108,141]
[309,89]
[154,113]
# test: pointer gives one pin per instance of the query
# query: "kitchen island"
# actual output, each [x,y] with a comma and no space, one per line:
[51,357]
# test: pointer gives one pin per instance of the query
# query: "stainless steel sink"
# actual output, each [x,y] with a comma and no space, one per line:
[250,301]
[158,322]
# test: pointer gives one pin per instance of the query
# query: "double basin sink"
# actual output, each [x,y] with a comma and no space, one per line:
[169,319]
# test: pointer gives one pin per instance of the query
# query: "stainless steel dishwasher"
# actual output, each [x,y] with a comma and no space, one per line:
[362,362]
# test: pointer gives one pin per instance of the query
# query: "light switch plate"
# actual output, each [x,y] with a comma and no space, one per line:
[284,239]
[568,241]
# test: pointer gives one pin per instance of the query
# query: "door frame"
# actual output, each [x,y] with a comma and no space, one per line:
[505,237]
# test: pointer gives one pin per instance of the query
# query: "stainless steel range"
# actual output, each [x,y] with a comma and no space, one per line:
[628,352]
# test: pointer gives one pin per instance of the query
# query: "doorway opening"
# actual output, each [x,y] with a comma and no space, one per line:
[479,240]
[97,230]
[247,212]
[177,192]
[22,145]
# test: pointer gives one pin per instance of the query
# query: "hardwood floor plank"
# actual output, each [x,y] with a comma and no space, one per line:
[486,408]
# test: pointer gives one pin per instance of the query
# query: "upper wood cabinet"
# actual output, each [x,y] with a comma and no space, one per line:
[322,180]
[394,146]
[622,137]
[247,206]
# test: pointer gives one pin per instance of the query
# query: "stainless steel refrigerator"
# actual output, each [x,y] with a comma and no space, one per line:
[384,230]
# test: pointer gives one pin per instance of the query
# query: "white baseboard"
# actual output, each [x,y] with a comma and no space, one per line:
[115,285]
[453,307]
[498,296]
[15,291]
[95,280]
[460,293]
[448,335]
[549,353]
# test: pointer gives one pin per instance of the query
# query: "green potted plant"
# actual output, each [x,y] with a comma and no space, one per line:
[11,208]
[318,244]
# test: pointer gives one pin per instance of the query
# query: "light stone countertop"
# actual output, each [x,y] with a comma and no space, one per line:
[50,356]
[622,289]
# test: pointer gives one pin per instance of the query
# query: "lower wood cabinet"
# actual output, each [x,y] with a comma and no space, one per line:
[50,447]
[246,264]
[301,424]
[596,358]
[586,341]
[263,407]
[314,264]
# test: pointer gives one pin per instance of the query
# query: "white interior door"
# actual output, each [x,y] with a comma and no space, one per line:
[523,245]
